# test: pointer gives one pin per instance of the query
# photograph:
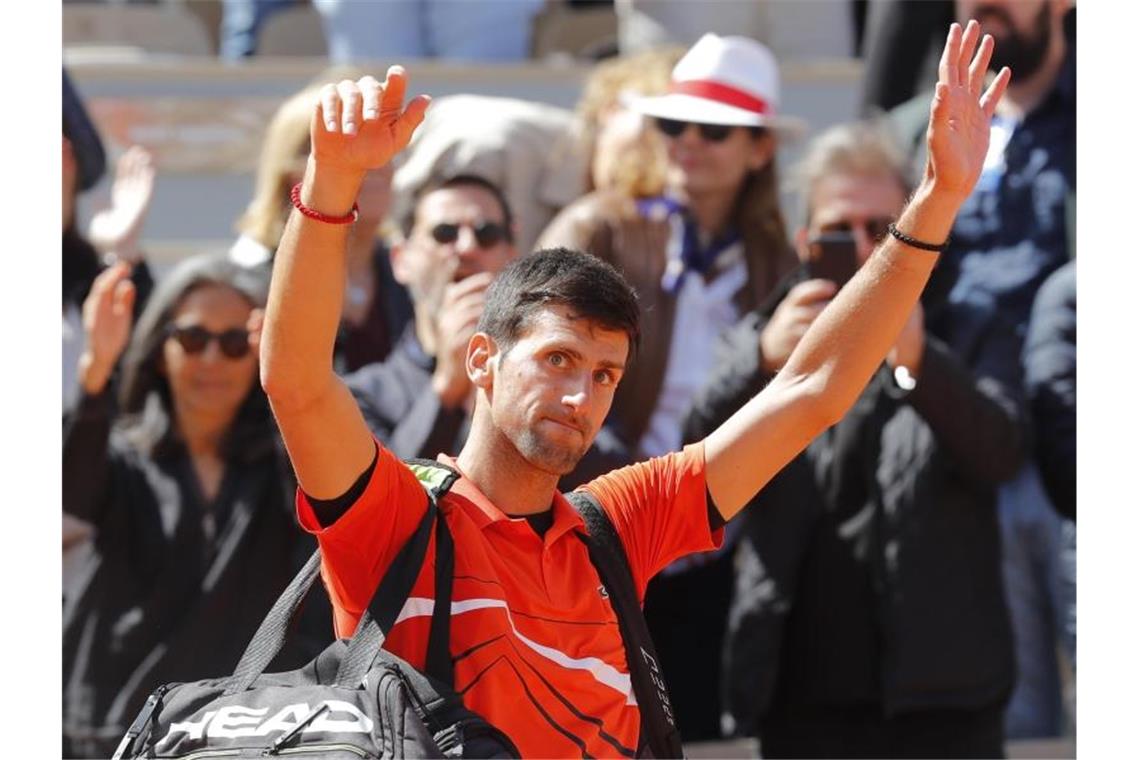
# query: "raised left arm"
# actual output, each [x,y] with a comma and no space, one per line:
[848,341]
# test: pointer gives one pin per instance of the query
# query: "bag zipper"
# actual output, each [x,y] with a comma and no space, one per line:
[323,748]
[141,720]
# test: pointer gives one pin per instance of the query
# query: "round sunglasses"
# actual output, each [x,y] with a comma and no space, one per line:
[193,339]
[487,234]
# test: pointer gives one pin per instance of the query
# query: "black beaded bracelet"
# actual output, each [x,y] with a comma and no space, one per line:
[904,238]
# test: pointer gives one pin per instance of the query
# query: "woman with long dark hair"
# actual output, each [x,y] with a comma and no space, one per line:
[188,490]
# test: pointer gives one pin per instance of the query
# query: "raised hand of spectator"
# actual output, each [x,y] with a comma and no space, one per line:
[459,313]
[115,230]
[791,320]
[107,323]
[360,125]
[958,135]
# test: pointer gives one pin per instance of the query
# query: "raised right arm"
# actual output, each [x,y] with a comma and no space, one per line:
[358,126]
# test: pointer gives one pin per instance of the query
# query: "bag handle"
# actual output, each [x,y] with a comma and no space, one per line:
[658,727]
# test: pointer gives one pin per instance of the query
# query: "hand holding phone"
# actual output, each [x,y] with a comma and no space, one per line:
[833,257]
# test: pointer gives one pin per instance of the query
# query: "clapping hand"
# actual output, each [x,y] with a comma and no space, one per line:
[115,230]
[107,319]
[958,135]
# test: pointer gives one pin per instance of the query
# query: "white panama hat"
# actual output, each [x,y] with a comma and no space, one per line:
[724,80]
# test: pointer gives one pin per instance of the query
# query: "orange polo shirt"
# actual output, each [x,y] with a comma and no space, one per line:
[535,642]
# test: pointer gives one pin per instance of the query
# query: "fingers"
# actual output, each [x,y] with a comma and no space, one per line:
[371,92]
[977,72]
[329,111]
[996,90]
[947,68]
[253,325]
[811,291]
[350,105]
[395,85]
[966,51]
[124,298]
[411,118]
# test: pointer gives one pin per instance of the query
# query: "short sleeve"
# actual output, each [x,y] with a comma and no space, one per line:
[659,509]
[357,549]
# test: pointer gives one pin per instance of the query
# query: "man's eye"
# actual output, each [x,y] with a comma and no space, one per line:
[603,378]
[557,360]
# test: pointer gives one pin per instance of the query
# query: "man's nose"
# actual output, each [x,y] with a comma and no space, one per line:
[466,243]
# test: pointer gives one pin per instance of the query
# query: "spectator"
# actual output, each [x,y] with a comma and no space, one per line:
[1012,233]
[114,234]
[490,30]
[242,21]
[1051,385]
[699,256]
[544,157]
[376,307]
[188,490]
[118,228]
[458,236]
[868,618]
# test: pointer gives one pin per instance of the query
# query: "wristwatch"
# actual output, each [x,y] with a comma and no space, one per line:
[904,380]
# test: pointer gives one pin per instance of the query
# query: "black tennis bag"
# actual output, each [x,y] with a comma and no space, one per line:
[357,700]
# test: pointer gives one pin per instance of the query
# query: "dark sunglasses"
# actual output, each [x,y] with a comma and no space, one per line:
[875,229]
[194,339]
[487,234]
[709,132]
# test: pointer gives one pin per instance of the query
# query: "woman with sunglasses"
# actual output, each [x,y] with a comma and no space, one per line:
[703,254]
[188,490]
[376,308]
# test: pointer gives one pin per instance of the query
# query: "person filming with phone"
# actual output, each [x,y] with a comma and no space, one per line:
[868,618]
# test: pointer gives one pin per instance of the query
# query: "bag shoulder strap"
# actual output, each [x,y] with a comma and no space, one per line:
[658,726]
[396,586]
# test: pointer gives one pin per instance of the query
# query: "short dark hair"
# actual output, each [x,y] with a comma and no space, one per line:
[408,222]
[559,276]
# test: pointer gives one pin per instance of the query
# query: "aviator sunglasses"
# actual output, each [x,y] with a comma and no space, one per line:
[875,228]
[713,133]
[234,342]
[487,234]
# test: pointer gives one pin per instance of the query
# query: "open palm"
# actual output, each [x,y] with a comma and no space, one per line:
[360,125]
[959,132]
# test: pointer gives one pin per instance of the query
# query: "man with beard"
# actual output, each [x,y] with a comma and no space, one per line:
[534,639]
[1014,230]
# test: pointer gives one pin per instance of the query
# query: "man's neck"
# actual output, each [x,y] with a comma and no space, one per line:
[1022,97]
[494,465]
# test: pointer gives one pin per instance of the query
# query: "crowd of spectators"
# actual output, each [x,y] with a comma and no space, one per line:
[905,587]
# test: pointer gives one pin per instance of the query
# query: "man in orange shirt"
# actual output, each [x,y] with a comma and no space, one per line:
[534,639]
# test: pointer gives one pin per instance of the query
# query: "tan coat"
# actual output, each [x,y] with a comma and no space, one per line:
[608,226]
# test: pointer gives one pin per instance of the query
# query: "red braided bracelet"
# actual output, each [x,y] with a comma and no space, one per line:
[349,218]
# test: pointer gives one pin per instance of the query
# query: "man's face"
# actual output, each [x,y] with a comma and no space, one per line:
[444,245]
[551,391]
[1022,31]
[857,203]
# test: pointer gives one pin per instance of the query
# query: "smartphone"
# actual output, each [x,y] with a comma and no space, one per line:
[833,257]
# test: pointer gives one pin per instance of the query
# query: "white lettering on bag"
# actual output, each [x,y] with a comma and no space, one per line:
[235,721]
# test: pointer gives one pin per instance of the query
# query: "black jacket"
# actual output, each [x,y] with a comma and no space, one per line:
[405,414]
[161,600]
[869,568]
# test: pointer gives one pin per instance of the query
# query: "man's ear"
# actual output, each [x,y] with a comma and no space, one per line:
[801,241]
[482,360]
[398,255]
